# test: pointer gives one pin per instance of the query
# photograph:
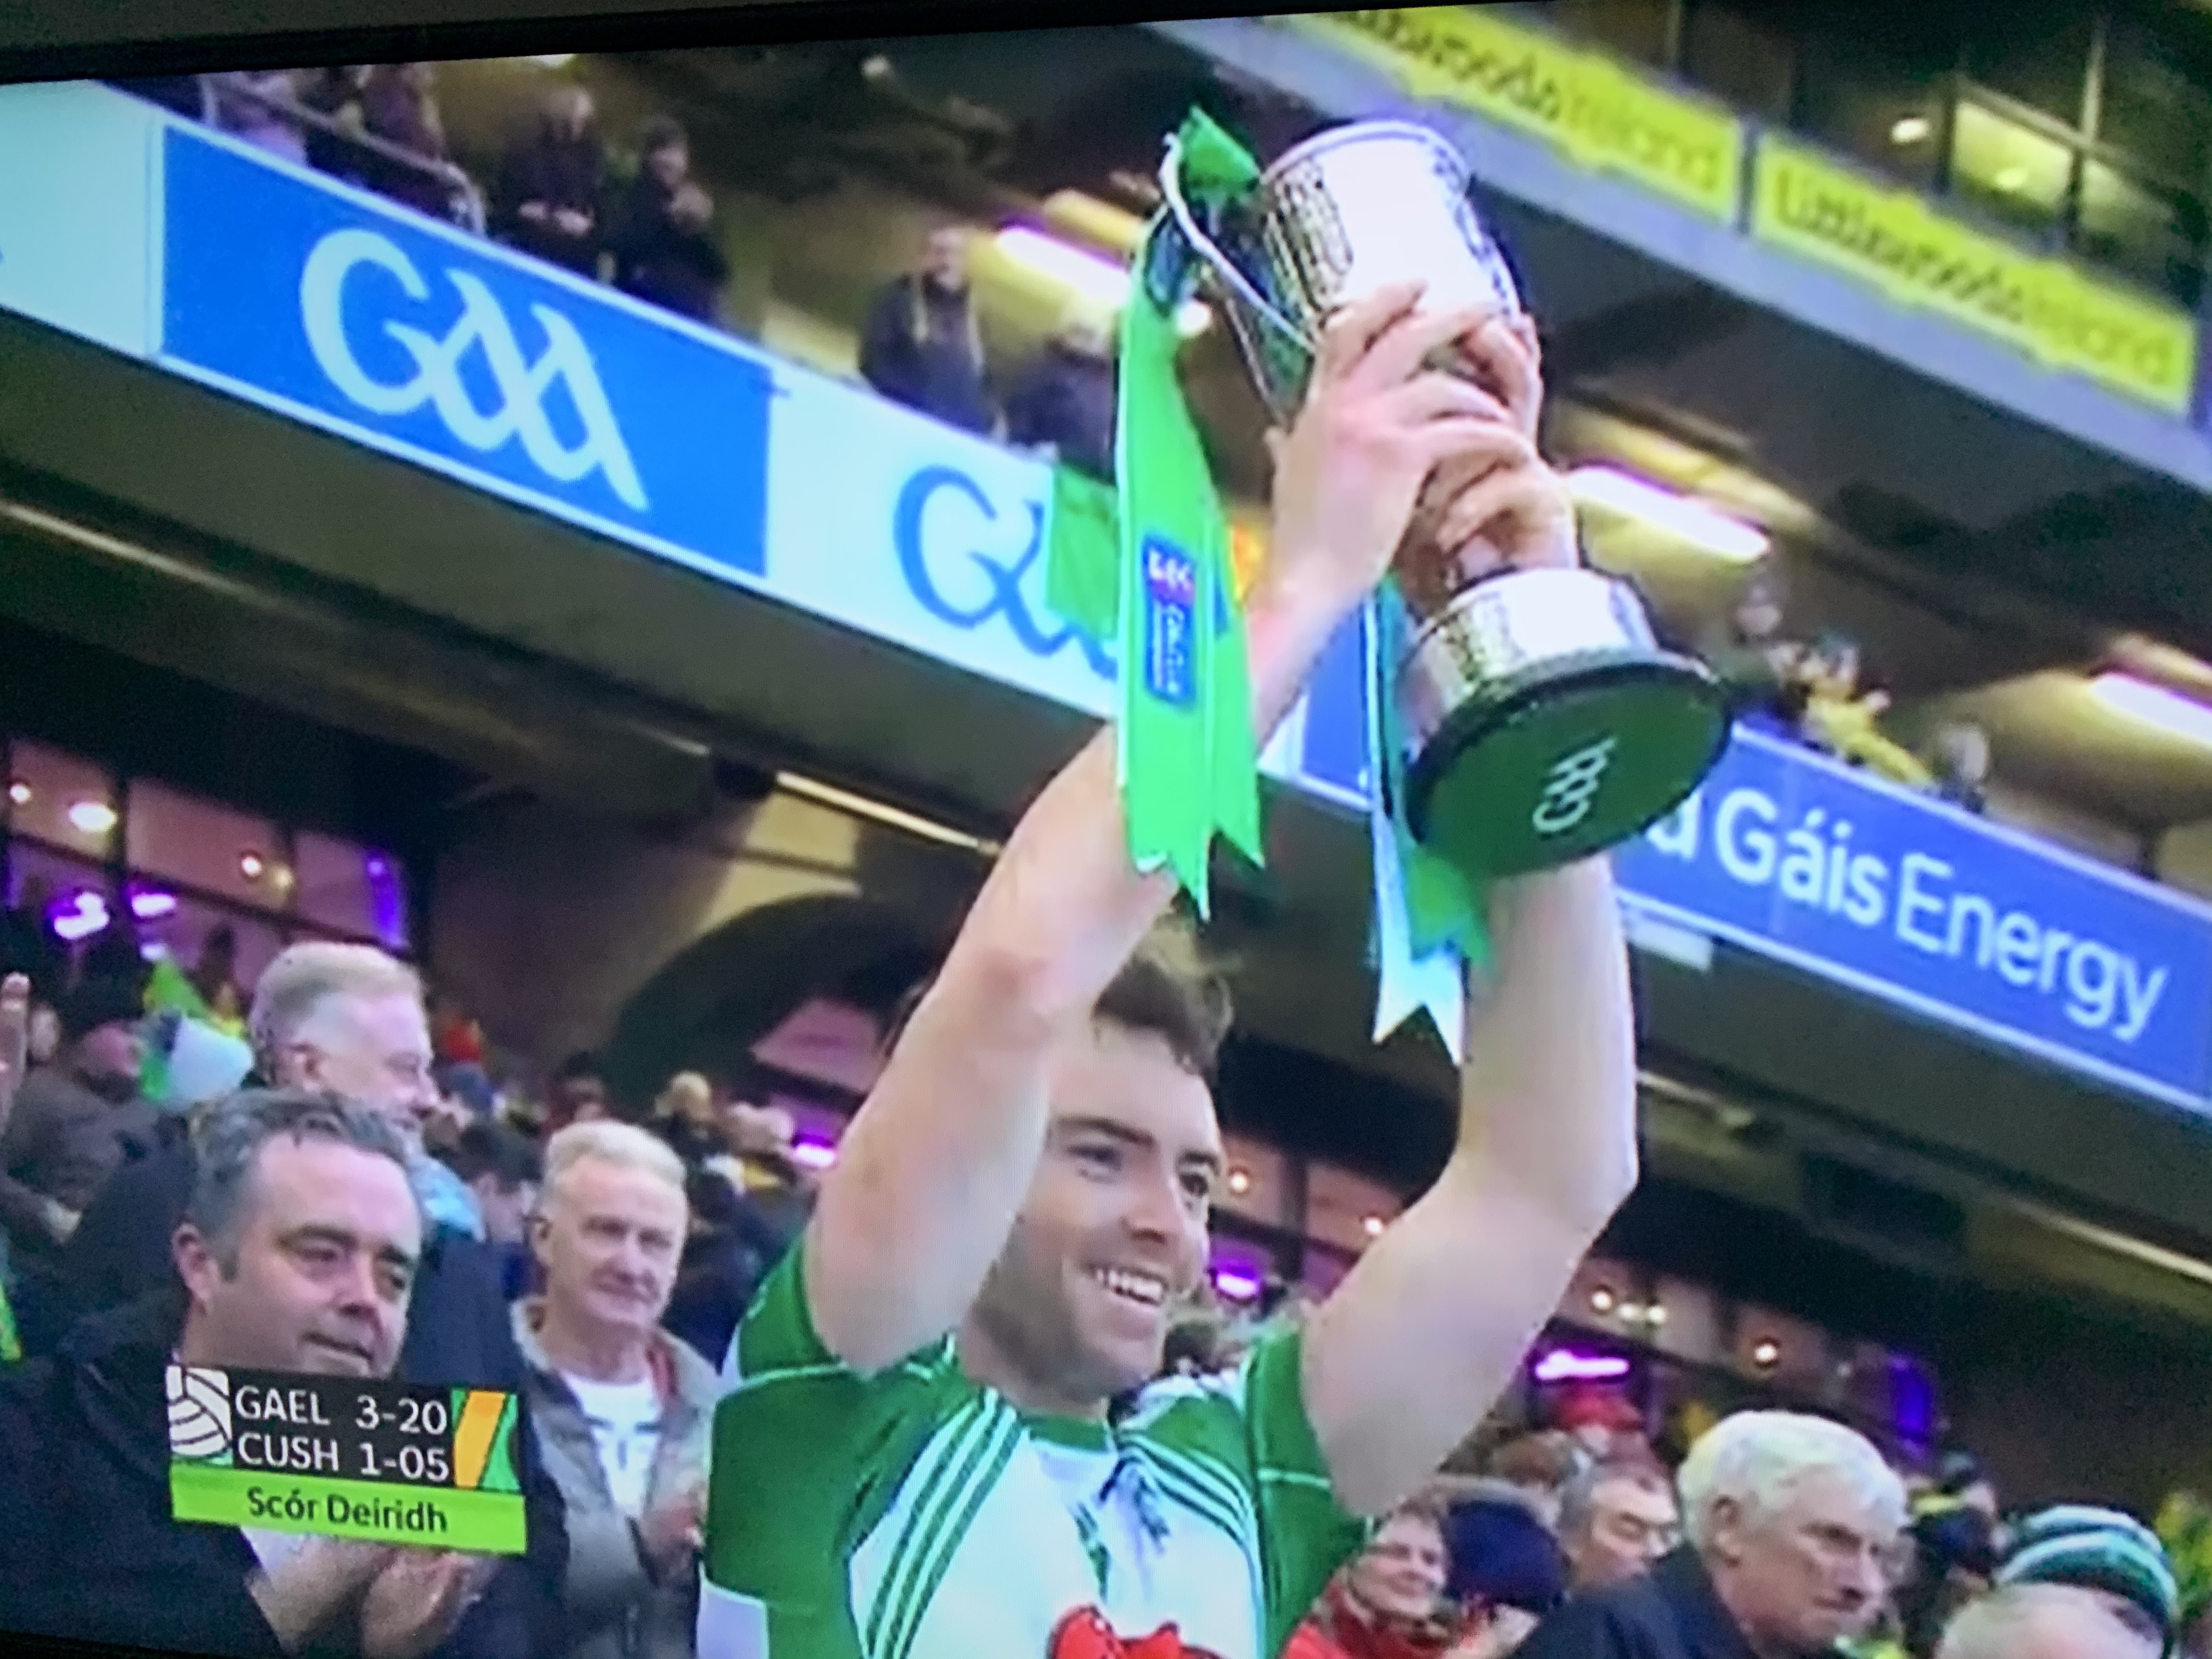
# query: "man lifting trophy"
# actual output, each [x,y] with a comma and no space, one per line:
[946,1431]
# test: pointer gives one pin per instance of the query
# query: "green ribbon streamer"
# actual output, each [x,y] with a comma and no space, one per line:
[1148,566]
[1082,555]
[1443,905]
[1190,761]
[1169,588]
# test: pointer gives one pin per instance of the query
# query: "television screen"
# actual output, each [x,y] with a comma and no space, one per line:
[1330,834]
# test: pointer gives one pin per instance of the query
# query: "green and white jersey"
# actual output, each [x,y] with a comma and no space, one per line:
[918,1514]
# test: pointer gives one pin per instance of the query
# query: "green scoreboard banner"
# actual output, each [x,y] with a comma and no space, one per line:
[389,1462]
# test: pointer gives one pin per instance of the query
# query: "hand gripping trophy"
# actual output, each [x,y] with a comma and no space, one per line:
[1536,719]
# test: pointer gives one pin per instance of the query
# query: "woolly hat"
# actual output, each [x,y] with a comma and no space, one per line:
[2096,1549]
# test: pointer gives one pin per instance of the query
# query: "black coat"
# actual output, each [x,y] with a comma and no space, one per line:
[660,261]
[458,1328]
[938,368]
[561,172]
[63,1142]
[722,1269]
[1672,1613]
[1067,399]
[91,1552]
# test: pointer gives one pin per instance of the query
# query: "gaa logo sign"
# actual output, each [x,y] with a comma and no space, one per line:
[1571,788]
[481,331]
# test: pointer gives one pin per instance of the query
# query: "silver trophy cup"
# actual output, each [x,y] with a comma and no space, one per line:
[1541,720]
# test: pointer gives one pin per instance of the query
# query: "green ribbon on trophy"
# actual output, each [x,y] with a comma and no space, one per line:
[1519,722]
[1143,567]
[1189,763]
[1430,926]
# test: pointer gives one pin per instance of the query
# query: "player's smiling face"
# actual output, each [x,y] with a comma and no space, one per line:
[1114,1231]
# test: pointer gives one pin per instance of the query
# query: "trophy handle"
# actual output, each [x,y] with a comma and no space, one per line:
[1224,268]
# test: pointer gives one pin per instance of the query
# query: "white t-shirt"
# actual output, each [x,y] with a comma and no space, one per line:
[625,1420]
[274,1549]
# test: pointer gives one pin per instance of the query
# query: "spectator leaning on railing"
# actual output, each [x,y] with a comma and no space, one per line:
[259,106]
[1063,400]
[1757,664]
[662,237]
[921,345]
[399,106]
[1841,716]
[550,185]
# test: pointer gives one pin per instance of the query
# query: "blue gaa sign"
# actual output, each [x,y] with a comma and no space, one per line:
[1788,854]
[333,307]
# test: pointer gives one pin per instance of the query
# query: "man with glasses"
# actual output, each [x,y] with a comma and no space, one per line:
[1794,1527]
[345,1019]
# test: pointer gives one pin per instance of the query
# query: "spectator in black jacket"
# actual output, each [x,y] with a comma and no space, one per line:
[921,345]
[298,1254]
[730,1249]
[663,238]
[349,1019]
[1793,1524]
[548,201]
[1063,401]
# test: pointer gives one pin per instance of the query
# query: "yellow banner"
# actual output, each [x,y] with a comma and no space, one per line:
[1602,117]
[1897,241]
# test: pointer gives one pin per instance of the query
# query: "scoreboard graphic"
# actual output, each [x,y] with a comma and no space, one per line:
[390,1463]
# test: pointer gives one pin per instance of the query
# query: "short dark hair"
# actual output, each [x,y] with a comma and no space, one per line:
[494,1150]
[99,1000]
[229,1135]
[1170,988]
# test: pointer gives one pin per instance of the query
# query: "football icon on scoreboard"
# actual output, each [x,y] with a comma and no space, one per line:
[199,1414]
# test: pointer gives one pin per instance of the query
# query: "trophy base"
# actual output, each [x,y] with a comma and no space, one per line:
[1563,758]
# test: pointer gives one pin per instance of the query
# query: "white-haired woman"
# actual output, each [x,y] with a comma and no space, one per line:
[1793,1525]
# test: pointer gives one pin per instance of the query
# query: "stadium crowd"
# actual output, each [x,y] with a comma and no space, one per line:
[324,1172]
[637,218]
[597,1257]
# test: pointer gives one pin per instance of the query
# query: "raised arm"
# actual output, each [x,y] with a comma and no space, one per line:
[935,1166]
[1425,1333]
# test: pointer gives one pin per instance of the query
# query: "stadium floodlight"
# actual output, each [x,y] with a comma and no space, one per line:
[1099,281]
[1676,515]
